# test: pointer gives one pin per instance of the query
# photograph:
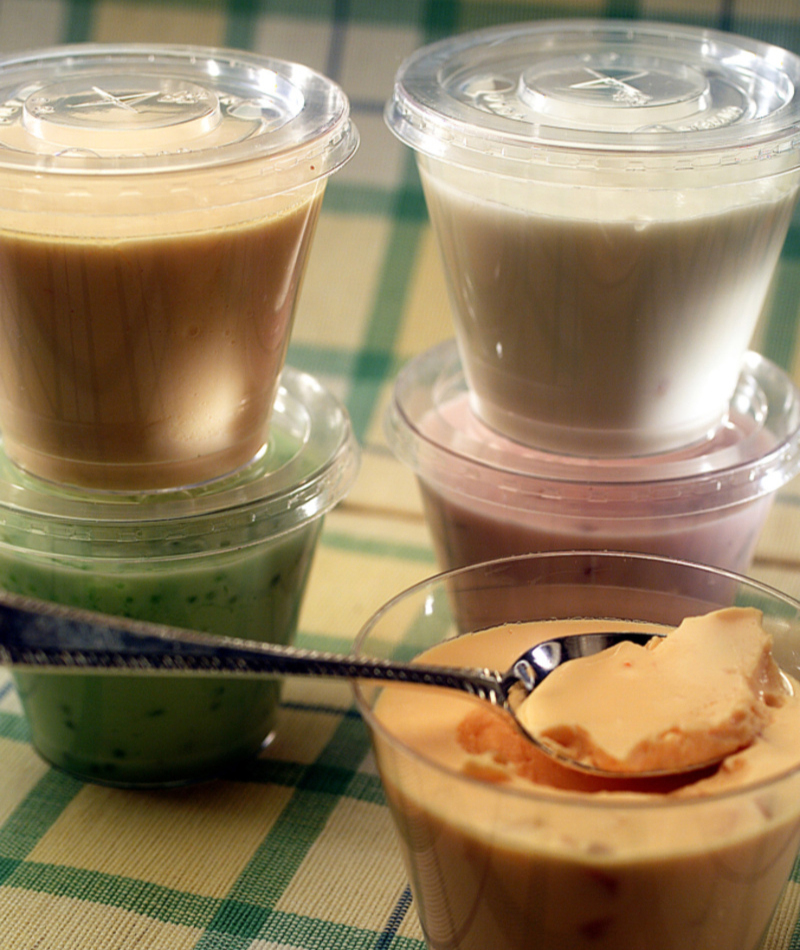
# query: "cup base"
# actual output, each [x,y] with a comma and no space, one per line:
[149,476]
[597,442]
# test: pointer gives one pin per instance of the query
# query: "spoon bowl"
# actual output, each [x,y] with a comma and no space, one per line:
[44,635]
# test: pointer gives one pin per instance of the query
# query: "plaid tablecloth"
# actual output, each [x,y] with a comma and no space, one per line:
[298,851]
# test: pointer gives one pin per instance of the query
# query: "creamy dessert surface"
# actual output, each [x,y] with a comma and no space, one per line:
[696,696]
[473,738]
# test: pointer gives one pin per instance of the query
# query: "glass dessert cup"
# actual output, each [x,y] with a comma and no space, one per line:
[158,207]
[607,216]
[486,496]
[492,865]
[231,557]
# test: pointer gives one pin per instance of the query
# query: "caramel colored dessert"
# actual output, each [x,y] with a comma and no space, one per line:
[702,693]
[505,847]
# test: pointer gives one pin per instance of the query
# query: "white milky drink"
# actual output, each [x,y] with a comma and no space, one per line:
[610,201]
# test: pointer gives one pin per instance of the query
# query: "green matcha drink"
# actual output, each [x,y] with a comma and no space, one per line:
[230,557]
[132,729]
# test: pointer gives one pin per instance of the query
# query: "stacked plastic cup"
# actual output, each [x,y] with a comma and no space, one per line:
[610,200]
[158,459]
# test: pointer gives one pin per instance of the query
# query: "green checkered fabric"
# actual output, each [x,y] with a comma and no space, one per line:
[297,852]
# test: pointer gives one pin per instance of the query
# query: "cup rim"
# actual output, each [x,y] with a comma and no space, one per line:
[284,113]
[280,490]
[500,98]
[543,794]
[477,462]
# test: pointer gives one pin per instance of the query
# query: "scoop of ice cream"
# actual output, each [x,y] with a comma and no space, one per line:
[697,695]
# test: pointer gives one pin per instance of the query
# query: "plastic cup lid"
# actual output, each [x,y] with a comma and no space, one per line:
[639,94]
[307,467]
[114,109]
[431,428]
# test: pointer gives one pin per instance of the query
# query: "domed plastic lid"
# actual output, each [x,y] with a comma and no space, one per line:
[638,92]
[121,109]
[431,428]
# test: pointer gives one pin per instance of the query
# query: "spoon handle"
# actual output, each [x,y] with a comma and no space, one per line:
[40,634]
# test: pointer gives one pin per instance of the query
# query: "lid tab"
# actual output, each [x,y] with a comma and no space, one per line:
[500,97]
[111,109]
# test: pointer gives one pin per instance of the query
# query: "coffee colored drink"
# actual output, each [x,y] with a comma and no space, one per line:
[148,359]
[157,207]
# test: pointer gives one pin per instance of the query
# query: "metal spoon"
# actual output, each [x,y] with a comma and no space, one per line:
[44,635]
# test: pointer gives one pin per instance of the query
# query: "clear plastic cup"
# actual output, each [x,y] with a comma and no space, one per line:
[487,496]
[157,206]
[610,200]
[520,865]
[229,558]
